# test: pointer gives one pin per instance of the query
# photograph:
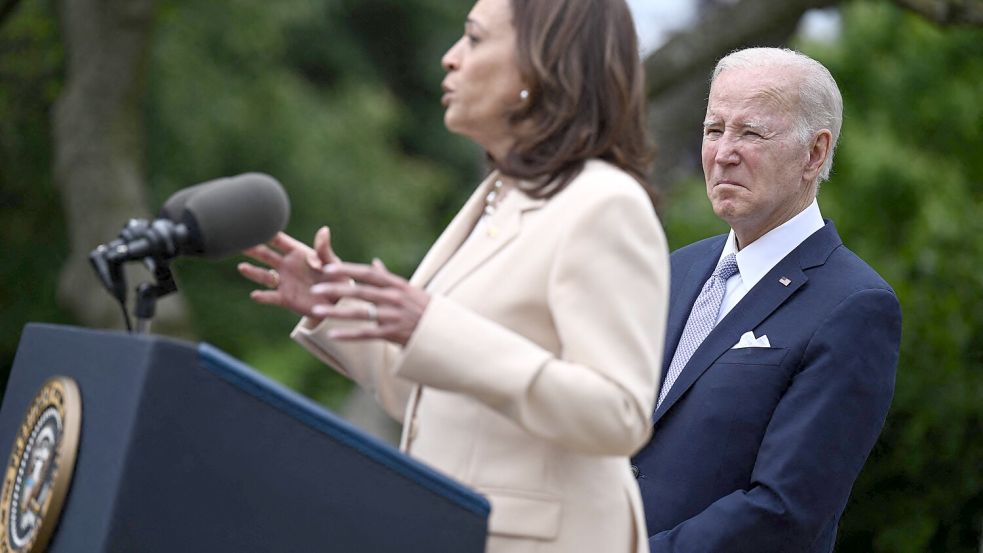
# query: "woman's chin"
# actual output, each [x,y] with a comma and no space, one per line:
[453,124]
[449,119]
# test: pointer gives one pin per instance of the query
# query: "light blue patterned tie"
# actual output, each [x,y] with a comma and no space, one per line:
[701,320]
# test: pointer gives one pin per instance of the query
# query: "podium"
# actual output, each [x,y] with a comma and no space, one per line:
[183,448]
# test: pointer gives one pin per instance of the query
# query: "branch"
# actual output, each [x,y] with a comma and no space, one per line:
[946,12]
[744,23]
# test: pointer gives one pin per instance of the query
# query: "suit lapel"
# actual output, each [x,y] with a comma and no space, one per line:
[766,296]
[683,294]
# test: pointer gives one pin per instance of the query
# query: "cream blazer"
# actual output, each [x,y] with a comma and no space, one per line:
[532,375]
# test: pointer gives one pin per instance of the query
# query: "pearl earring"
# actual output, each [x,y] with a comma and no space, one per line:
[524,94]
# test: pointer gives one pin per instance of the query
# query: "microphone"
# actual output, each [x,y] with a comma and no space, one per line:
[230,215]
[213,219]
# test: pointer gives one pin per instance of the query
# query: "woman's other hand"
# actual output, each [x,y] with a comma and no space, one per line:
[394,304]
[292,267]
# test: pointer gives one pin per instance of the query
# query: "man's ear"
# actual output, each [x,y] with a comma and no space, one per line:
[819,152]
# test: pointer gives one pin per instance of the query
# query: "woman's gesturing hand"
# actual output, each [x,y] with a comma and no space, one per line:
[292,268]
[394,305]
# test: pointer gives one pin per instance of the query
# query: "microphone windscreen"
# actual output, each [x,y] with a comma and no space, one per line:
[173,208]
[229,215]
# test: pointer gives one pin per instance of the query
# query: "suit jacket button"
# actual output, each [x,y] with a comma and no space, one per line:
[634,471]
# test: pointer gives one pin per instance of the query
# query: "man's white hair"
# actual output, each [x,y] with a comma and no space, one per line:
[820,103]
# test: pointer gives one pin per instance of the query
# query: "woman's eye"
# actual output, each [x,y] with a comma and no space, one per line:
[472,39]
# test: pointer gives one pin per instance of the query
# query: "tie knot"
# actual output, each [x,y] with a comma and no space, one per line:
[727,267]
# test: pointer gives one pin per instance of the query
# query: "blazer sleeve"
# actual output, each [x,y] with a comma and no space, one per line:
[365,362]
[818,439]
[607,295]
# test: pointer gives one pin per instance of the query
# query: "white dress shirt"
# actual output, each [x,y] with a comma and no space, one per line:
[757,258]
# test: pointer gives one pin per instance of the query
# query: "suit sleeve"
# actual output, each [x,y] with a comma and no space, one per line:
[607,294]
[818,439]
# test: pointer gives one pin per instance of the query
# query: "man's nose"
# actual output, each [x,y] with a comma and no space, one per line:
[727,153]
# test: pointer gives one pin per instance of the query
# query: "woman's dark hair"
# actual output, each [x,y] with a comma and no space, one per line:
[581,63]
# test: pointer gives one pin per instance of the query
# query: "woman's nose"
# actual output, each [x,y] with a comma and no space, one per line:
[451,59]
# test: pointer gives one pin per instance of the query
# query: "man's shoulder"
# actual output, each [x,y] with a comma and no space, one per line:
[825,257]
[849,269]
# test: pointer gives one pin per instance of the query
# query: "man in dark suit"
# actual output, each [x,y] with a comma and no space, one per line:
[782,344]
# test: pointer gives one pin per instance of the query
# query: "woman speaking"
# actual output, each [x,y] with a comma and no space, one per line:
[523,355]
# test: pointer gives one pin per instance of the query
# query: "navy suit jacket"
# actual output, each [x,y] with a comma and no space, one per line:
[756,449]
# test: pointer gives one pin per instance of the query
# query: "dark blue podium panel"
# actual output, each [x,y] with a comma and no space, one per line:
[183,448]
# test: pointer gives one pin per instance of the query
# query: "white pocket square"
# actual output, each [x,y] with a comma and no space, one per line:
[749,341]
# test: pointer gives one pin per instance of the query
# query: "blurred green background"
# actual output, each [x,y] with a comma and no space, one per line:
[338,99]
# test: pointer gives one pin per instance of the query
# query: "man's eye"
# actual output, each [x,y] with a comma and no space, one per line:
[711,132]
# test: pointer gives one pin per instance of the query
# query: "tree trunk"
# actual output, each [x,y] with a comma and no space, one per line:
[7,8]
[98,143]
[721,30]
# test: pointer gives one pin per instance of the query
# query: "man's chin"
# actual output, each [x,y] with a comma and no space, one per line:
[727,206]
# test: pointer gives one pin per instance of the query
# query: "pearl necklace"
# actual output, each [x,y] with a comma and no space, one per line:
[494,197]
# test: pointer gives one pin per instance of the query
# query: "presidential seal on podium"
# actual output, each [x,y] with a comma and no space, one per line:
[40,468]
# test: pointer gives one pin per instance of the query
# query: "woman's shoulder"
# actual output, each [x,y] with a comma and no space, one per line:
[600,179]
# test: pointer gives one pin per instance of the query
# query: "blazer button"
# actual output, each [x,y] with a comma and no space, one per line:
[634,471]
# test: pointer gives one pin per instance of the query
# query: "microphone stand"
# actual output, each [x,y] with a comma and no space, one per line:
[147,293]
[112,277]
[110,272]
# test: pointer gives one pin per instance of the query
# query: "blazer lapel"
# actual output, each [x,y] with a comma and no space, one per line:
[766,296]
[454,235]
[499,229]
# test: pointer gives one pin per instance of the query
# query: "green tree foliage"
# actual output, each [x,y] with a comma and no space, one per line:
[339,101]
[906,195]
[31,224]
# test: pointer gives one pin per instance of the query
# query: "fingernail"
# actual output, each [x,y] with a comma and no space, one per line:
[330,268]
[320,288]
[320,310]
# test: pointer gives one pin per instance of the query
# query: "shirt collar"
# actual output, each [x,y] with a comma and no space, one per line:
[758,257]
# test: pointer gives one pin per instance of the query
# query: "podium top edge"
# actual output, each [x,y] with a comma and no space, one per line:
[36,327]
[321,420]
